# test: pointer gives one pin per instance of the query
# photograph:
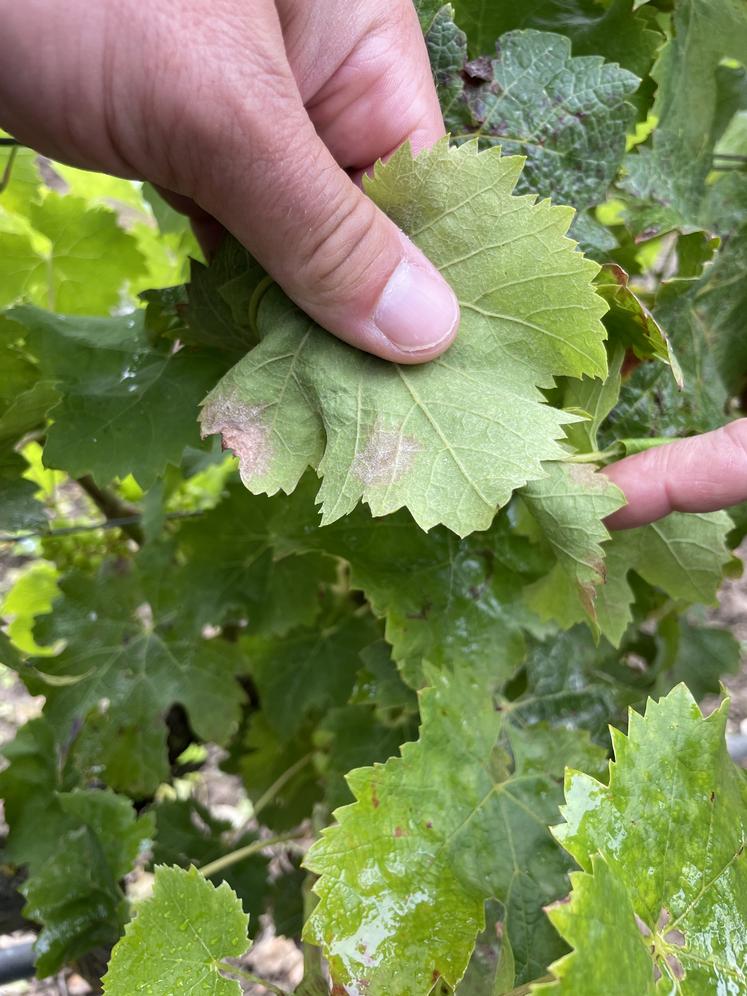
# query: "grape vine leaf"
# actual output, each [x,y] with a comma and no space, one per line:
[611,30]
[673,792]
[122,668]
[650,402]
[567,114]
[231,569]
[187,833]
[570,505]
[126,407]
[405,436]
[77,845]
[683,555]
[19,508]
[631,324]
[309,669]
[57,273]
[178,939]
[406,870]
[720,304]
[445,601]
[669,176]
[75,894]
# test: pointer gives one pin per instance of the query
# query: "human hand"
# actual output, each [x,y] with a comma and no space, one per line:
[698,474]
[250,114]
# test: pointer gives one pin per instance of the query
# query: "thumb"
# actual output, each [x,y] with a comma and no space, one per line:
[330,248]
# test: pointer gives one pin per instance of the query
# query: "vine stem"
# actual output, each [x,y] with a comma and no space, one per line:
[527,988]
[7,172]
[224,966]
[89,527]
[279,783]
[233,857]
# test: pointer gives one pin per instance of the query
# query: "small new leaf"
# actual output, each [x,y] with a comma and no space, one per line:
[178,938]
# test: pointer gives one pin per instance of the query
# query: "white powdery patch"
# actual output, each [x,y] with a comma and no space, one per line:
[386,458]
[243,432]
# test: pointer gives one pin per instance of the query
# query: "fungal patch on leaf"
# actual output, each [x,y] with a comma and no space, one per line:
[450,440]
[243,432]
[386,457]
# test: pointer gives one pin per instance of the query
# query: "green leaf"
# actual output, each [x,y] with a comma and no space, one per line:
[610,30]
[567,115]
[187,833]
[77,239]
[178,938]
[650,403]
[77,846]
[223,299]
[277,770]
[308,670]
[631,324]
[449,602]
[32,595]
[122,669]
[19,508]
[720,306]
[672,173]
[601,919]
[662,848]
[569,506]
[396,436]
[683,555]
[433,834]
[75,893]
[232,570]
[125,407]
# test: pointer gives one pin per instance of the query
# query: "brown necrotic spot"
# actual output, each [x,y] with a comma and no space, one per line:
[243,431]
[386,457]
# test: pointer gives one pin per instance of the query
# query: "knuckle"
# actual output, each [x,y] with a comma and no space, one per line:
[340,255]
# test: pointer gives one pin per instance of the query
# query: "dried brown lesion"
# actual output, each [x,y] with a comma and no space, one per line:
[243,431]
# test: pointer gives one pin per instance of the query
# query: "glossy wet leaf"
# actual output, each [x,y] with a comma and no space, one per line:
[662,849]
[178,938]
[407,868]
[450,439]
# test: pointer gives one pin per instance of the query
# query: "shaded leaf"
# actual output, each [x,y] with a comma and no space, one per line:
[121,670]
[125,407]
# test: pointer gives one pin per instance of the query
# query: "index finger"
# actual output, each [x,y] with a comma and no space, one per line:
[699,474]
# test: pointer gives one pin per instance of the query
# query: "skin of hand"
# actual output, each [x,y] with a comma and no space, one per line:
[258,117]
